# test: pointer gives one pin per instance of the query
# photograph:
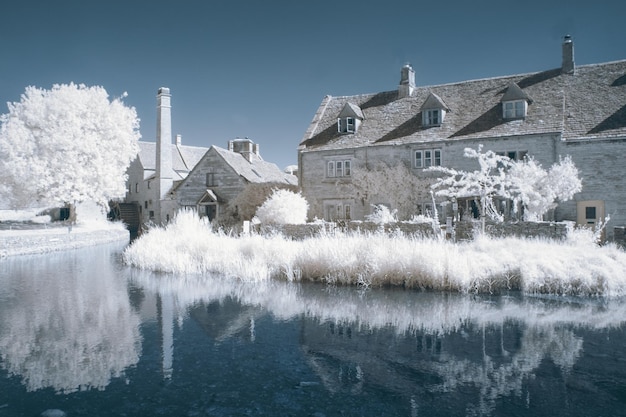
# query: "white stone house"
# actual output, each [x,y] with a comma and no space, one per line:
[166,176]
[221,174]
[571,110]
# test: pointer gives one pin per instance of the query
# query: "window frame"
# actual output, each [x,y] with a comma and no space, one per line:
[427,158]
[210,179]
[339,168]
[432,117]
[346,124]
[514,109]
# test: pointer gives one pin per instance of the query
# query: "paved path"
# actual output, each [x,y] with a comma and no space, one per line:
[49,239]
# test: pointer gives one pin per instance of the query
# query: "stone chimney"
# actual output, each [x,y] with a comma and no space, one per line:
[567,67]
[407,81]
[179,140]
[245,147]
[164,143]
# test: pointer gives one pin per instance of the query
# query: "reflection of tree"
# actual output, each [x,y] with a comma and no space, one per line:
[495,380]
[67,329]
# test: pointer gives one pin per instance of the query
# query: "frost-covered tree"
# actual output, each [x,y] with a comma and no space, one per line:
[393,185]
[524,182]
[66,145]
[283,207]
[487,183]
[538,190]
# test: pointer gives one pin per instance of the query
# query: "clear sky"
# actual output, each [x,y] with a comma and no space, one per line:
[259,69]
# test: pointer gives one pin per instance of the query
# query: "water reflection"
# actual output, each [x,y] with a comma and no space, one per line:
[470,351]
[67,322]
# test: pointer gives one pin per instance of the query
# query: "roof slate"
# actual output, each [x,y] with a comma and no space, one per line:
[256,170]
[588,104]
[184,158]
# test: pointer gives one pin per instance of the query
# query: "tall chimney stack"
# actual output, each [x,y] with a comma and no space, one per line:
[407,81]
[567,67]
[165,181]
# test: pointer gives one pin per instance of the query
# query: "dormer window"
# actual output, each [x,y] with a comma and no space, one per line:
[514,109]
[346,125]
[349,119]
[515,102]
[432,117]
[433,111]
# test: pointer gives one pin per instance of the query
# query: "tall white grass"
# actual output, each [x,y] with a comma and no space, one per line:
[188,245]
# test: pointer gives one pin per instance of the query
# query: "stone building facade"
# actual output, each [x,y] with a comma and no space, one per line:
[572,110]
[166,176]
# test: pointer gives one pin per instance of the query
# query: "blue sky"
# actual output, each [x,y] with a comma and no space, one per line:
[259,69]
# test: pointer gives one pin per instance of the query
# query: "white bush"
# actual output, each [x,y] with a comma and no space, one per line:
[283,207]
[382,215]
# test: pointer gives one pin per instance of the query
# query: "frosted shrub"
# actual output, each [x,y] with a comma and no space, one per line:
[283,207]
[382,215]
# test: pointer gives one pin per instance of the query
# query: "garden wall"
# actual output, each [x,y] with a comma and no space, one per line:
[462,230]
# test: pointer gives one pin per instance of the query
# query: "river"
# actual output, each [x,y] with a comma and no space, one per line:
[81,334]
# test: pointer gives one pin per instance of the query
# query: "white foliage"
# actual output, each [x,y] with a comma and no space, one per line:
[66,145]
[540,190]
[524,182]
[394,185]
[483,265]
[283,207]
[382,215]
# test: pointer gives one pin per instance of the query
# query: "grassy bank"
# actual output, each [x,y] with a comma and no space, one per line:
[485,265]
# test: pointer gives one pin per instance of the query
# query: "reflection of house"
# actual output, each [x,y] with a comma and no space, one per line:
[577,111]
[157,182]
[481,364]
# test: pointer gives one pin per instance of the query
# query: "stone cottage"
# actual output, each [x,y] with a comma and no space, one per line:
[222,174]
[571,110]
[166,176]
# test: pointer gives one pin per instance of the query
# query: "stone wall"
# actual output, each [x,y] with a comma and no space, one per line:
[462,230]
[619,236]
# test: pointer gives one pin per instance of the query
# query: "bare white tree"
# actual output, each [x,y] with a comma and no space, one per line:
[538,190]
[487,183]
[524,182]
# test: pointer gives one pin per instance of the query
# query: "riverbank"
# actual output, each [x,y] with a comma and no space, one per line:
[51,239]
[574,266]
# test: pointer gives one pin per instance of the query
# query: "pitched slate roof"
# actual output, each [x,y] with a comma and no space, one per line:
[588,104]
[256,170]
[184,158]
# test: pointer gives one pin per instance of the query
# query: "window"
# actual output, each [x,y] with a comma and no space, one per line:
[338,211]
[428,158]
[149,184]
[419,159]
[338,169]
[136,187]
[514,155]
[514,109]
[431,117]
[437,157]
[210,179]
[346,125]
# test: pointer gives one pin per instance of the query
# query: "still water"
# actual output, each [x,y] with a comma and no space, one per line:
[83,335]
